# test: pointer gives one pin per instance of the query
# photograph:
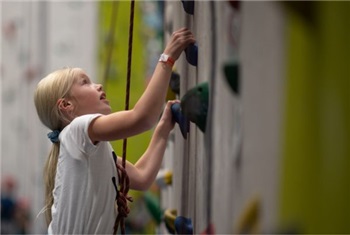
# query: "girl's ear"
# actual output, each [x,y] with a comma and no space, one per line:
[64,105]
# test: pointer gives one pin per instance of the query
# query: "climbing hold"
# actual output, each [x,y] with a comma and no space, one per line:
[169,220]
[231,70]
[194,105]
[250,219]
[183,122]
[164,178]
[235,4]
[175,83]
[192,54]
[170,95]
[152,204]
[183,225]
[174,86]
[209,230]
[188,6]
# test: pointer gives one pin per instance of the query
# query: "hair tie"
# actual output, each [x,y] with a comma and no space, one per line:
[53,136]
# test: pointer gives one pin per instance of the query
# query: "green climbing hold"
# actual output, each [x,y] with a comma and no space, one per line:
[152,204]
[195,103]
[231,70]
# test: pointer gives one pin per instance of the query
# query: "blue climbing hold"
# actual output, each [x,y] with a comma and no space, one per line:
[183,122]
[183,225]
[192,54]
[188,6]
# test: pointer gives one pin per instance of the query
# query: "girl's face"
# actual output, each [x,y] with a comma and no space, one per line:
[88,97]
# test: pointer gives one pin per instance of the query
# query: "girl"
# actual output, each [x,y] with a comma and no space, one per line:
[80,171]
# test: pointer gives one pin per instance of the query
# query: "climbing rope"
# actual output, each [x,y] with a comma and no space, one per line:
[122,196]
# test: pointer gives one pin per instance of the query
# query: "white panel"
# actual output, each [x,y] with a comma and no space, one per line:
[263,60]
[31,33]
[72,35]
[203,31]
[227,127]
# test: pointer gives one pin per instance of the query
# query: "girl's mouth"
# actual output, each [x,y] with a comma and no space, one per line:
[103,96]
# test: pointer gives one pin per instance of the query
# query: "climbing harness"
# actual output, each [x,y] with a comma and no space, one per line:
[122,196]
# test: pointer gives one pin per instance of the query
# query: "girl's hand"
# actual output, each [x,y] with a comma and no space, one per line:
[145,170]
[166,121]
[179,40]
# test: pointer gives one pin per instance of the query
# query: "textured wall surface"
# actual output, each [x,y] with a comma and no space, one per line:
[217,173]
[37,37]
[275,155]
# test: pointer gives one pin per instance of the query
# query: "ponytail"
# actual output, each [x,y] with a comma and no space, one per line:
[49,178]
[54,86]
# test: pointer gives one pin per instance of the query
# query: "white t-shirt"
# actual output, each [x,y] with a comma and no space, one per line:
[84,193]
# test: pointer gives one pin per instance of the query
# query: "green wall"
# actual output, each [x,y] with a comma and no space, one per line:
[315,184]
[116,81]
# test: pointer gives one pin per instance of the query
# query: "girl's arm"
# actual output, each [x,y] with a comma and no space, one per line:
[144,172]
[147,110]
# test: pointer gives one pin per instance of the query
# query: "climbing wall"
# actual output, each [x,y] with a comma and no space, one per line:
[187,160]
[274,156]
[256,173]
[232,169]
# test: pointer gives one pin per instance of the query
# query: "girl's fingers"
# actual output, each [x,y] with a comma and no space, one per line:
[170,103]
[179,41]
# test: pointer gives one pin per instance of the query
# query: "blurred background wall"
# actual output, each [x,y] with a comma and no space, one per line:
[276,157]
[37,37]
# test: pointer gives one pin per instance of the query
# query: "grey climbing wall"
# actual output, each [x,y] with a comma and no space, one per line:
[245,128]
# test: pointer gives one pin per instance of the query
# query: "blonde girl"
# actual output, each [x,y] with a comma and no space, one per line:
[80,171]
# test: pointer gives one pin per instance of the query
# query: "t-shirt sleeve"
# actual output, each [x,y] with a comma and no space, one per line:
[76,134]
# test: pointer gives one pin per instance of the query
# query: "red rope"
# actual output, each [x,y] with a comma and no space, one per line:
[122,196]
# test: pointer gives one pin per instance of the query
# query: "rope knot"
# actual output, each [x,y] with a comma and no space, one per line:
[122,202]
[122,199]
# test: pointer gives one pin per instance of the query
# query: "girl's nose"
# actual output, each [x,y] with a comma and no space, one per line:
[99,87]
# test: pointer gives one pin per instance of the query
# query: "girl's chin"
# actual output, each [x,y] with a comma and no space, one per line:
[108,111]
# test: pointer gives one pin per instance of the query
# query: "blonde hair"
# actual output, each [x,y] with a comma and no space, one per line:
[49,90]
